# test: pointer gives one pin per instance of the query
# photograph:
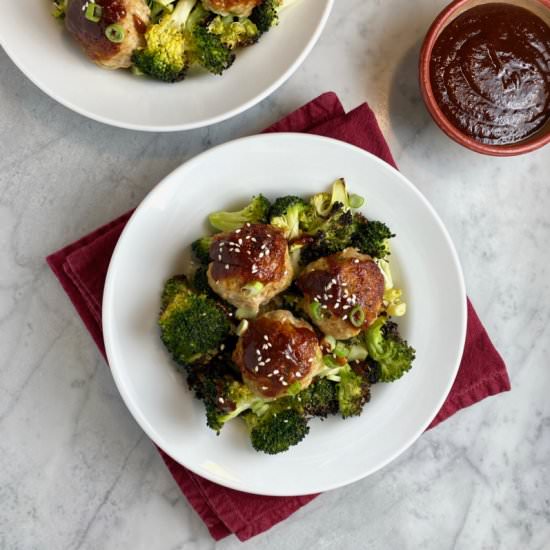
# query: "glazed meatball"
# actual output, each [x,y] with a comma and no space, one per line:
[277,351]
[131,15]
[250,266]
[239,8]
[343,293]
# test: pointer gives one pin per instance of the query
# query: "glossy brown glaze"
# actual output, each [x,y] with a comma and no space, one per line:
[139,24]
[92,35]
[277,351]
[256,252]
[343,281]
[490,73]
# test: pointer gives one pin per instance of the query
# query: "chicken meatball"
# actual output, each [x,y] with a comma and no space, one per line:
[277,351]
[250,266]
[131,15]
[239,8]
[343,293]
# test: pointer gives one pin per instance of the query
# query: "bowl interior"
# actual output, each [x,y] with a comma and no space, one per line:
[335,452]
[537,139]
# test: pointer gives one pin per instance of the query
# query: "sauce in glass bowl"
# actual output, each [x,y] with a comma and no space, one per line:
[490,73]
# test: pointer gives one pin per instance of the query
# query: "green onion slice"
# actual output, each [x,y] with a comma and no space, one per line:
[242,328]
[93,12]
[316,311]
[253,289]
[340,350]
[115,33]
[356,201]
[357,316]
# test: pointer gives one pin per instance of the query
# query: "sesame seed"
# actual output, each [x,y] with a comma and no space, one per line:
[221,400]
[344,317]
[226,266]
[261,364]
[284,383]
[238,231]
[240,242]
[266,337]
[219,257]
[285,421]
[222,347]
[253,239]
[270,375]
[261,255]
[265,346]
[346,307]
[298,375]
[336,305]
[356,261]
[281,378]
[247,225]
[276,371]
[256,368]
[264,388]
[268,360]
[258,352]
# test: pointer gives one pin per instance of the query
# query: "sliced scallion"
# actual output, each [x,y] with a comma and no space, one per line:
[115,33]
[356,201]
[316,311]
[357,316]
[340,350]
[93,12]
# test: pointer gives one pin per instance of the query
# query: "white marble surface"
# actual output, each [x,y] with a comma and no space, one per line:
[76,472]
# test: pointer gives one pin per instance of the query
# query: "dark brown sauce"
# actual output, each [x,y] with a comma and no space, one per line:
[256,252]
[490,73]
[276,354]
[139,25]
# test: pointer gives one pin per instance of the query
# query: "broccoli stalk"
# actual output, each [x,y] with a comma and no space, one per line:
[389,350]
[192,325]
[255,212]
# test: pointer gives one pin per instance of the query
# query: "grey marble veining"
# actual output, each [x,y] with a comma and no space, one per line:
[76,472]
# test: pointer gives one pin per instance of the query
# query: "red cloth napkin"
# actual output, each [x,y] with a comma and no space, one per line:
[82,266]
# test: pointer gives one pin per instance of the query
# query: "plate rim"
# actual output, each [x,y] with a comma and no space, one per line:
[109,284]
[166,128]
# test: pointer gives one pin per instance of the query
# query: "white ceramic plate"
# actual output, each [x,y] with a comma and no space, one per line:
[153,247]
[43,50]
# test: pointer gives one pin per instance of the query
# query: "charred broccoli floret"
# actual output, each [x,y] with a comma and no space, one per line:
[257,211]
[234,32]
[389,350]
[277,428]
[292,215]
[192,325]
[320,398]
[333,236]
[266,15]
[201,249]
[371,237]
[353,391]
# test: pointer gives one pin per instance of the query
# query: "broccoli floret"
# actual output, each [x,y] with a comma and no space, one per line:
[234,32]
[179,40]
[333,236]
[209,52]
[371,237]
[320,398]
[277,428]
[201,249]
[389,350]
[192,325]
[353,391]
[164,56]
[200,282]
[290,214]
[266,15]
[256,211]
